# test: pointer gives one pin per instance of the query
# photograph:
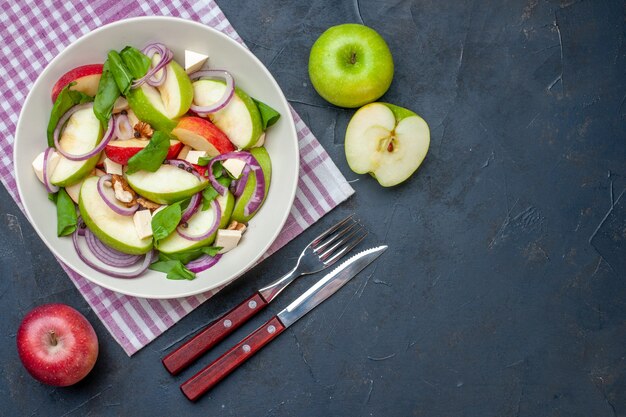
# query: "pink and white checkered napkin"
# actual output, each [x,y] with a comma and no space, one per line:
[33,33]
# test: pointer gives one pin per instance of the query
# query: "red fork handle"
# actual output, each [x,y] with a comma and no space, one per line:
[211,335]
[213,373]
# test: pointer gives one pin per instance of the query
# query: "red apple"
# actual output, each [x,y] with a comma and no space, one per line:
[87,78]
[57,345]
[202,135]
[121,151]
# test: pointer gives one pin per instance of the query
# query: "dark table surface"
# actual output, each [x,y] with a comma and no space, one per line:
[503,292]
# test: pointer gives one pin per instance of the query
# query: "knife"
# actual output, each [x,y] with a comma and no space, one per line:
[213,373]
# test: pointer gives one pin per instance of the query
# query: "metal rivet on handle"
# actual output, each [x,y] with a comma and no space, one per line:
[252,304]
[227,323]
[246,348]
[271,329]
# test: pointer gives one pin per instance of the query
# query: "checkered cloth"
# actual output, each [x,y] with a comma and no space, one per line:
[33,33]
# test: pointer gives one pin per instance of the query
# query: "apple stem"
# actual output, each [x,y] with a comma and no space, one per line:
[353,58]
[53,337]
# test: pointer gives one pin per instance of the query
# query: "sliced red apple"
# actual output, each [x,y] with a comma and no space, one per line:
[121,151]
[202,135]
[86,77]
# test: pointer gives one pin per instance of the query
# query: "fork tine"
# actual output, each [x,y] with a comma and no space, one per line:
[329,251]
[330,230]
[346,249]
[338,234]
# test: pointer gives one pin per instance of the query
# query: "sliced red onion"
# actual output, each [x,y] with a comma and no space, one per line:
[107,254]
[107,270]
[108,135]
[240,184]
[112,201]
[46,175]
[216,222]
[192,207]
[226,97]
[123,129]
[182,164]
[203,263]
[166,56]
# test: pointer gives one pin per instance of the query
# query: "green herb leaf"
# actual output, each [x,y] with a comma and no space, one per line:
[152,156]
[106,95]
[204,161]
[174,269]
[269,116]
[190,255]
[165,221]
[66,214]
[211,250]
[208,194]
[137,63]
[65,100]
[52,197]
[218,169]
[121,74]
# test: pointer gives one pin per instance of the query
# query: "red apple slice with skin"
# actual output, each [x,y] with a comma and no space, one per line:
[202,135]
[86,77]
[121,151]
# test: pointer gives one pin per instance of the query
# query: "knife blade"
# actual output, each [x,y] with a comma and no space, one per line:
[213,373]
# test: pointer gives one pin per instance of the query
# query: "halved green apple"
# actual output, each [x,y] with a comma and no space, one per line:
[240,119]
[161,106]
[199,224]
[81,134]
[113,229]
[166,185]
[263,157]
[387,141]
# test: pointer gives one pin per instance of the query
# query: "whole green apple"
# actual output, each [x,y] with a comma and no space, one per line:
[350,65]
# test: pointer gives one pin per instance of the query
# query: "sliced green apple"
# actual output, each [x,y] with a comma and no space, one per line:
[240,119]
[263,157]
[161,106]
[113,229]
[166,185]
[81,134]
[386,141]
[198,224]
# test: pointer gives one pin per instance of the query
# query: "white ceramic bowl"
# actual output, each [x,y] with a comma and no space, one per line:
[224,53]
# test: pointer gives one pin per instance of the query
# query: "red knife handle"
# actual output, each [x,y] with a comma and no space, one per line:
[213,373]
[211,335]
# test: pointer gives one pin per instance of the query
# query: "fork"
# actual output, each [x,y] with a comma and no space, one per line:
[319,254]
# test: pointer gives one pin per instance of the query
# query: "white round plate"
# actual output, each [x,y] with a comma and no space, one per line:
[224,53]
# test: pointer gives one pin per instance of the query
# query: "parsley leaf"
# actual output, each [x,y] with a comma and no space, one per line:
[152,156]
[269,116]
[165,221]
[66,214]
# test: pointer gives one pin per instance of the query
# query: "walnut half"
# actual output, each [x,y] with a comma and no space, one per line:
[143,130]
[123,192]
[235,225]
[147,204]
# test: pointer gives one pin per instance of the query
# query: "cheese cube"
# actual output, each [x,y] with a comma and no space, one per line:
[143,223]
[227,239]
[194,61]
[112,167]
[193,156]
[234,167]
[52,164]
[183,152]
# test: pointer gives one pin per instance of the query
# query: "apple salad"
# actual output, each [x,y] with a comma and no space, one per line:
[152,165]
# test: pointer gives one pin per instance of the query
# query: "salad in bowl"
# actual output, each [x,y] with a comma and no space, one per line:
[154,164]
